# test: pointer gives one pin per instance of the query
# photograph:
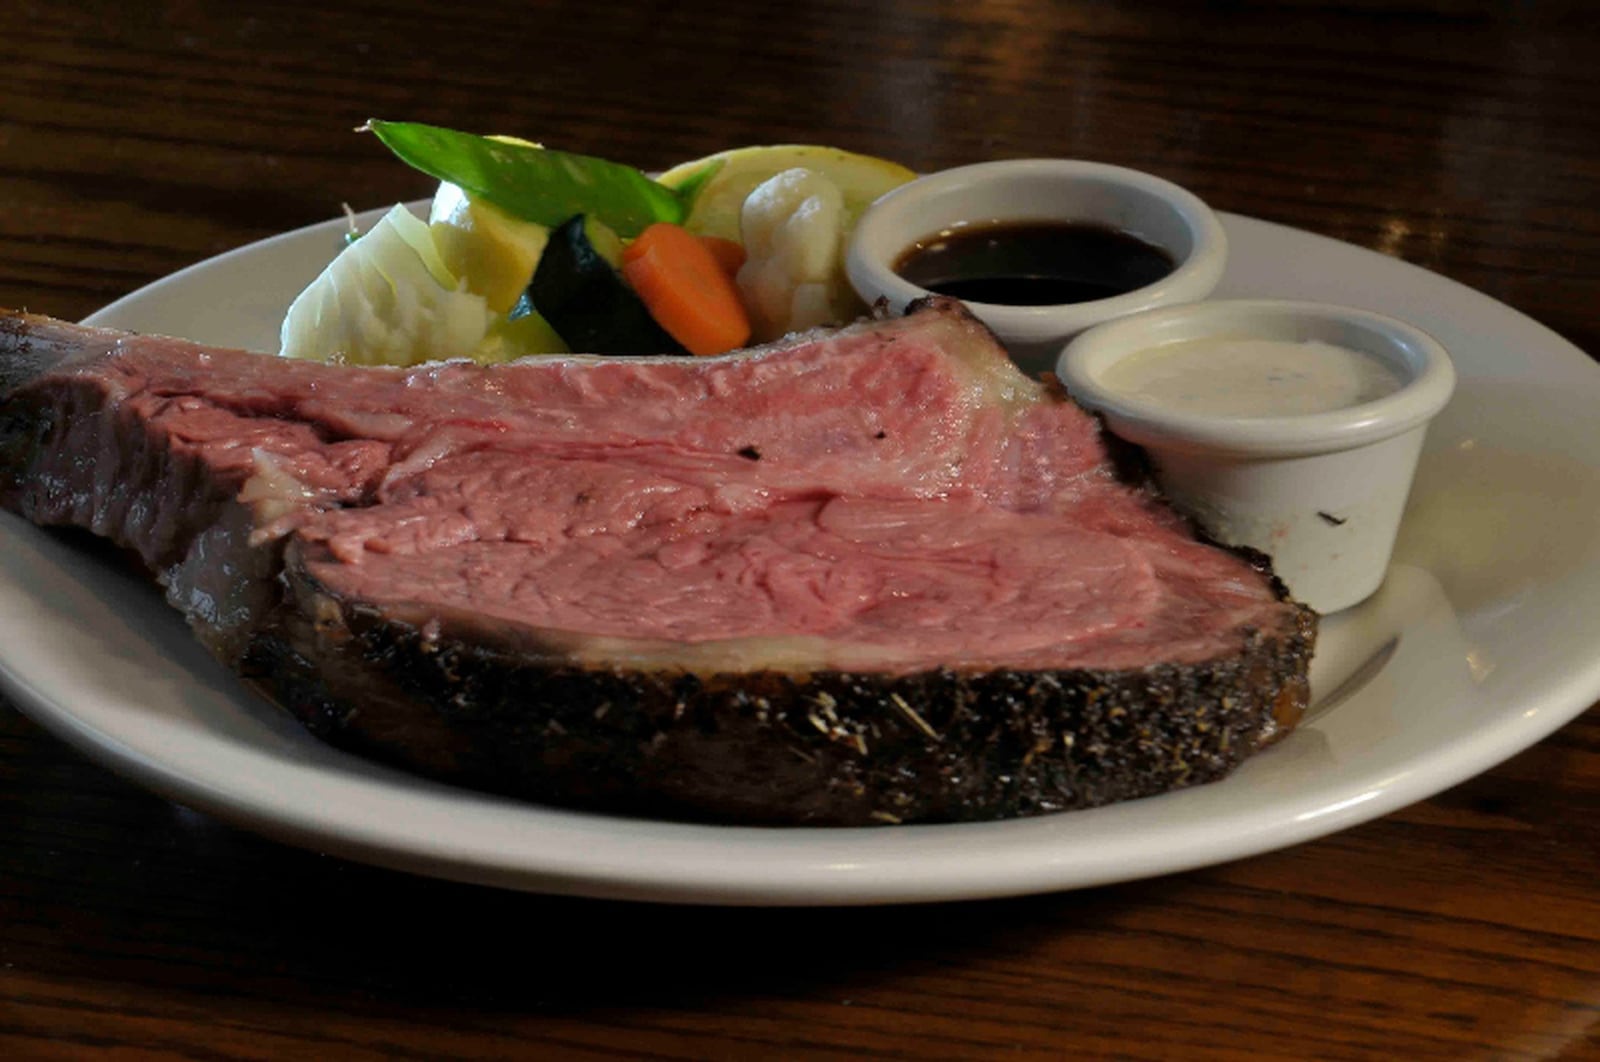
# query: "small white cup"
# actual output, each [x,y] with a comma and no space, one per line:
[1320,493]
[1153,209]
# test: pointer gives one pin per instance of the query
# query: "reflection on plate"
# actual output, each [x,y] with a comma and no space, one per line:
[1480,643]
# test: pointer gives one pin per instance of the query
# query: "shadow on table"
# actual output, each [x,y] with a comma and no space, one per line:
[147,892]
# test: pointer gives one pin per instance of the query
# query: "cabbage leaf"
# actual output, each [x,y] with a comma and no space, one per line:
[389,299]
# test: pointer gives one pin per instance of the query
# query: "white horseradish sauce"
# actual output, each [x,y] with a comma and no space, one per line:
[1253,377]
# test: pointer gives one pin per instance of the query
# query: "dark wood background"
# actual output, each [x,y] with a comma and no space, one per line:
[1463,136]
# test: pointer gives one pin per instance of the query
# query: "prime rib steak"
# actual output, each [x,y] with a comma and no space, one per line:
[874,575]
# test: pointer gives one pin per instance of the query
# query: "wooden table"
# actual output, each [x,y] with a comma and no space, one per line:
[1461,136]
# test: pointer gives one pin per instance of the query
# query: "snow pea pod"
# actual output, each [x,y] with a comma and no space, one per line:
[539,185]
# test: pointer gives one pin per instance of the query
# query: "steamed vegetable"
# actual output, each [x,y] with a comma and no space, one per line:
[387,299]
[493,252]
[518,335]
[791,280]
[728,253]
[532,183]
[716,187]
[686,289]
[795,276]
[529,251]
[579,292]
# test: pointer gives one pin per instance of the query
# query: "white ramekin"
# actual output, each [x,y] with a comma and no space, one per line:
[1321,493]
[1153,209]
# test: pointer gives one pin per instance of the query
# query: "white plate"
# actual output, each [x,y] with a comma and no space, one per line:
[1485,638]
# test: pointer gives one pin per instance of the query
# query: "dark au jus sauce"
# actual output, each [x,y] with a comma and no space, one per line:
[1033,263]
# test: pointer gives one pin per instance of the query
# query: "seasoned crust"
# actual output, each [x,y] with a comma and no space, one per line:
[825,748]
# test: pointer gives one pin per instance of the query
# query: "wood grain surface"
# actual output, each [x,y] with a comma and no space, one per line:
[136,139]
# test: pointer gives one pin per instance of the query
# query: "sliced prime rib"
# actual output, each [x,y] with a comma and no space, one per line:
[872,575]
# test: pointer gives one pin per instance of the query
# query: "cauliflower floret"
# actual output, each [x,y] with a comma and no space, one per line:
[791,227]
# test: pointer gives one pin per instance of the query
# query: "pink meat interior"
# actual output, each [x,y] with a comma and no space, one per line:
[894,498]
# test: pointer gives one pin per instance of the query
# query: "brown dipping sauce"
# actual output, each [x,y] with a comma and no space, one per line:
[1033,263]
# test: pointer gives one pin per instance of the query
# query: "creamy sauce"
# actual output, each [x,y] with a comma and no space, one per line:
[1253,377]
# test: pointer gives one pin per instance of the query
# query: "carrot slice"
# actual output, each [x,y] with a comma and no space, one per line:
[728,253]
[686,290]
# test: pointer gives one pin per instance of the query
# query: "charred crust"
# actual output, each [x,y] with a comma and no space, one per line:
[1130,463]
[826,748]
[24,427]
